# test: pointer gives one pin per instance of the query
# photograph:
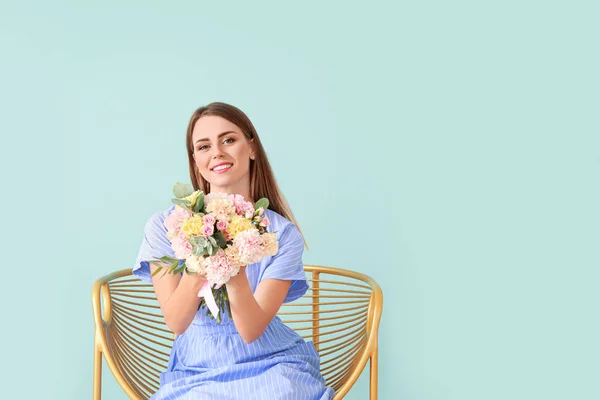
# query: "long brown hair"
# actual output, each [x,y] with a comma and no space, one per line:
[262,179]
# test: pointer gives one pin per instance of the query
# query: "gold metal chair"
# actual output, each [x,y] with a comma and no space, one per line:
[340,313]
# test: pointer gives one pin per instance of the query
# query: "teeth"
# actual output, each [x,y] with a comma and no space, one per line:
[222,167]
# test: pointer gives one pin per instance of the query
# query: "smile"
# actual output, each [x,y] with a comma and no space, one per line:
[222,168]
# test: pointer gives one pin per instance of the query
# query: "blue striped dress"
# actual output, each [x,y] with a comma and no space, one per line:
[211,361]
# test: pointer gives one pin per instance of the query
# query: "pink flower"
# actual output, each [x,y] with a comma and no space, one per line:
[181,246]
[222,225]
[175,218]
[207,230]
[219,268]
[249,245]
[265,222]
[209,219]
[242,207]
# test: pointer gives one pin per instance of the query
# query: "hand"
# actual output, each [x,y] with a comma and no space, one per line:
[194,279]
[239,277]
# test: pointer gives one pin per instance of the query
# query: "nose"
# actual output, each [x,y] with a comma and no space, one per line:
[217,152]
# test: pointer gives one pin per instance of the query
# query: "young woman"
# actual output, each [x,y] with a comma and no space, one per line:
[255,356]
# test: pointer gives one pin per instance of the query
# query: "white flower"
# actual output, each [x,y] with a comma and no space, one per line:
[195,264]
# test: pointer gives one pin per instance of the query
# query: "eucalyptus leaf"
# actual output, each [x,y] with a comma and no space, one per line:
[181,190]
[263,202]
[212,241]
[182,202]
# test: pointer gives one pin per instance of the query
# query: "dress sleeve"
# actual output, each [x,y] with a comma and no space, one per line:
[155,244]
[287,263]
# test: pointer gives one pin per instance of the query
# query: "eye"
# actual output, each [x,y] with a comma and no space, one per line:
[225,141]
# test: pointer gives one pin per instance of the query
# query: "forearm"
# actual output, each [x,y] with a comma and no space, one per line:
[249,318]
[180,309]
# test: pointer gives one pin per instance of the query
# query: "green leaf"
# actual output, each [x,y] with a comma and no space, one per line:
[169,259]
[182,202]
[263,202]
[180,268]
[199,203]
[181,190]
[200,240]
[212,241]
[220,239]
[173,266]
[158,269]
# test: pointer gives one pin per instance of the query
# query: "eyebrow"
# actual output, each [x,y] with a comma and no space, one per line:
[220,134]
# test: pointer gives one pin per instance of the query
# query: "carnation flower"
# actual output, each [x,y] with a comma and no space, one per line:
[249,245]
[270,244]
[233,255]
[238,224]
[221,208]
[195,264]
[175,218]
[215,195]
[181,246]
[192,226]
[219,268]
[242,207]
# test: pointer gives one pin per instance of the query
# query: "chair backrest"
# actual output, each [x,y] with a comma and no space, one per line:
[340,313]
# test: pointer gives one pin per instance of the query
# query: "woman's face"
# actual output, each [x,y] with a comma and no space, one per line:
[217,142]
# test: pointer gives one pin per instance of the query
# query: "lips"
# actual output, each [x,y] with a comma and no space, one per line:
[223,167]
[219,164]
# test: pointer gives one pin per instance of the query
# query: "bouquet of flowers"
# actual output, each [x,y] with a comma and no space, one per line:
[215,235]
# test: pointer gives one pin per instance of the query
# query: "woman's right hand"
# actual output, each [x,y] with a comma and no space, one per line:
[195,280]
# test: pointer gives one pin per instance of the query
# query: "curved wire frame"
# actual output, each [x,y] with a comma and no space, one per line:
[339,313]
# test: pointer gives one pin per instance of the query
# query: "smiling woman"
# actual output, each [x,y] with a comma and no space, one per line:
[252,355]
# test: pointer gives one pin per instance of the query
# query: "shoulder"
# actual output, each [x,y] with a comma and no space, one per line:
[286,232]
[279,224]
[157,219]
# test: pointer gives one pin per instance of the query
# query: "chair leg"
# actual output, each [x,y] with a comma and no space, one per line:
[97,372]
[373,384]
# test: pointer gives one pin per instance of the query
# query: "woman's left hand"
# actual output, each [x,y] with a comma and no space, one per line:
[241,275]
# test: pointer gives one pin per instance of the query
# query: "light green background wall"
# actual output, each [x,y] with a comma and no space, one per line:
[448,149]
